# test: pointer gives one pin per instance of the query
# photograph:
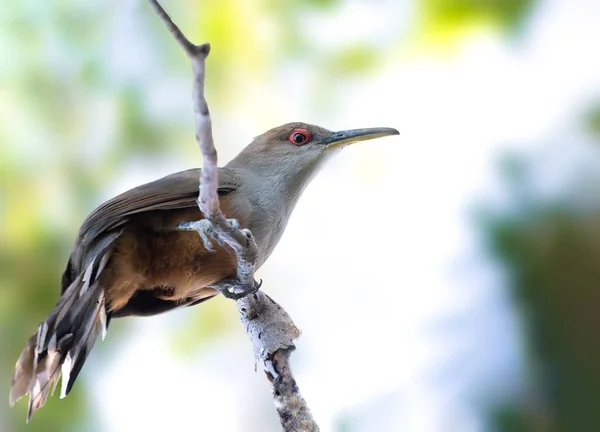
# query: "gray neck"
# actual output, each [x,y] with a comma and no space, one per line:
[272,189]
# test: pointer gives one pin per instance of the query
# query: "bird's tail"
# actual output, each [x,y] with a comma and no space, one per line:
[64,339]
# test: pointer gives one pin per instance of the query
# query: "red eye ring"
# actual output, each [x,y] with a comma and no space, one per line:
[300,136]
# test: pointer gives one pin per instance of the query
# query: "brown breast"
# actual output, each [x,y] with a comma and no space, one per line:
[173,264]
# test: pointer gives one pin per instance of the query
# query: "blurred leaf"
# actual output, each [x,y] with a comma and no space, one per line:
[592,120]
[137,132]
[514,418]
[551,252]
[458,12]
[320,3]
[352,60]
[448,20]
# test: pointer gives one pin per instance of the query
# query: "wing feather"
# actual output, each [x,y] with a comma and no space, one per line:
[178,190]
[175,191]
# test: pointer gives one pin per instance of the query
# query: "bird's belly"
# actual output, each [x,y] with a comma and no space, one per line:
[175,265]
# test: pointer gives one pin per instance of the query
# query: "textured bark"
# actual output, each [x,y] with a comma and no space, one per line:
[272,333]
[269,327]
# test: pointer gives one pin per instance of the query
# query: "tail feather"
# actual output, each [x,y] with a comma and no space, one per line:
[36,350]
[23,375]
[47,373]
[64,339]
[93,324]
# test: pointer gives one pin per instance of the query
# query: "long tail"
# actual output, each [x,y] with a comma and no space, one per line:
[64,339]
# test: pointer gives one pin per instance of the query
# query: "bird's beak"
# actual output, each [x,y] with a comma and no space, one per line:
[347,137]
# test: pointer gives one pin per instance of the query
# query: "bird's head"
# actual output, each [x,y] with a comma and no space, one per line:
[296,148]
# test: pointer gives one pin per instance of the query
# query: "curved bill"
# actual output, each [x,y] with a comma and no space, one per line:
[347,137]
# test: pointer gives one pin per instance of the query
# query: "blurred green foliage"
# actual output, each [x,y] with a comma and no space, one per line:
[592,120]
[551,250]
[553,260]
[459,13]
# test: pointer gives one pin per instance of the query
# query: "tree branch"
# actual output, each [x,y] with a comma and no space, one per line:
[269,327]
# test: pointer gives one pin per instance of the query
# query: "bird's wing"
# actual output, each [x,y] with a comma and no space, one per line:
[175,191]
[178,190]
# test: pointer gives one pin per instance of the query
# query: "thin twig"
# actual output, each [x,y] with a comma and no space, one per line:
[240,240]
[269,327]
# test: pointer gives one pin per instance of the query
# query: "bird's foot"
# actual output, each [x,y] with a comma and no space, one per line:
[231,288]
[206,231]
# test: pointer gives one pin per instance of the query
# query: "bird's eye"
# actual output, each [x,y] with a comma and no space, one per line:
[299,136]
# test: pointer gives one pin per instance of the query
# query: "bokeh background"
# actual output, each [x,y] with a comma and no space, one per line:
[445,280]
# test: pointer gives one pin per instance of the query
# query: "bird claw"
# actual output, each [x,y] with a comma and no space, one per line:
[206,231]
[231,288]
[227,286]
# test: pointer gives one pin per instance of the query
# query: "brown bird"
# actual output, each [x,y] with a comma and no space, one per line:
[135,254]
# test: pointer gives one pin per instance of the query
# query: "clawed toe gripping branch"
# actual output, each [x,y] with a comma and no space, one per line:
[267,324]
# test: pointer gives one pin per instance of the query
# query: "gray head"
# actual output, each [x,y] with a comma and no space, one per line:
[279,164]
[295,151]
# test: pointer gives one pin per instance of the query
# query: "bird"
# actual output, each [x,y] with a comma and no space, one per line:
[135,254]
